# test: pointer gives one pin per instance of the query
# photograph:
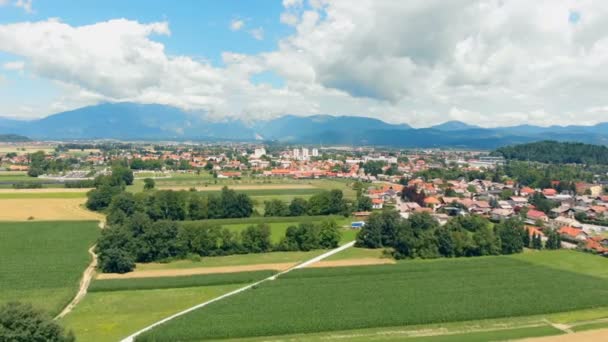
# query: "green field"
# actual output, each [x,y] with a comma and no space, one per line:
[110,316]
[36,195]
[409,293]
[42,262]
[178,282]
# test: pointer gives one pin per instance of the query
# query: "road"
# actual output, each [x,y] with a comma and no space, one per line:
[132,337]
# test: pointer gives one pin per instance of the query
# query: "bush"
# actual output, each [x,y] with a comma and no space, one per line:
[22,323]
[27,185]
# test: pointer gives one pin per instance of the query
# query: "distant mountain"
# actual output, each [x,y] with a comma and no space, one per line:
[291,127]
[129,121]
[453,126]
[13,138]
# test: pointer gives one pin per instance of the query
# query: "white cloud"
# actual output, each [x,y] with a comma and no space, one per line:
[257,33]
[236,24]
[4,2]
[486,62]
[16,65]
[26,5]
[289,19]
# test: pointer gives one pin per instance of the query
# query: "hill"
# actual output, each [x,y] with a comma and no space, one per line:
[13,138]
[130,121]
[557,152]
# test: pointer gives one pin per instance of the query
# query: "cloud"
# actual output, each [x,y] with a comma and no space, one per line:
[4,2]
[26,5]
[236,24]
[486,62]
[16,65]
[257,33]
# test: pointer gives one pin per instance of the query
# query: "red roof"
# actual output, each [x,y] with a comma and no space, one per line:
[431,200]
[549,192]
[532,230]
[535,214]
[527,190]
[377,201]
[570,231]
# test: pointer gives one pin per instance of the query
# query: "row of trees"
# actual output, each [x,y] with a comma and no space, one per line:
[557,152]
[39,165]
[141,239]
[179,205]
[421,236]
[323,203]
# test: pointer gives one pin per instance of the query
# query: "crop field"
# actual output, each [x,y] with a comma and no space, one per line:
[39,195]
[45,209]
[178,282]
[409,293]
[42,262]
[23,149]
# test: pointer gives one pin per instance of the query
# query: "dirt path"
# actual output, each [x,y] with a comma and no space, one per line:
[352,262]
[197,270]
[241,268]
[87,276]
[585,336]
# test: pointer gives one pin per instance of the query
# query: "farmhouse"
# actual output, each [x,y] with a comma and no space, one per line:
[571,233]
[534,215]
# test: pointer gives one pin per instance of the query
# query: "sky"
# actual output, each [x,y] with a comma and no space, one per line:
[421,62]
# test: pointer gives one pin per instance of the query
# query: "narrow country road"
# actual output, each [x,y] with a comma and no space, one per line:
[87,276]
[132,337]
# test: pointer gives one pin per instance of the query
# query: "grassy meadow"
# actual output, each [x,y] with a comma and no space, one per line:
[42,262]
[409,293]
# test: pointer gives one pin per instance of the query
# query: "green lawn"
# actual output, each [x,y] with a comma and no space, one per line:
[408,293]
[110,316]
[358,253]
[178,282]
[234,260]
[42,262]
[36,195]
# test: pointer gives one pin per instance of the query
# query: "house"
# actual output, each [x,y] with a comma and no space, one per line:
[361,215]
[549,192]
[572,233]
[563,211]
[519,201]
[408,207]
[481,207]
[499,214]
[527,191]
[432,202]
[535,215]
[377,203]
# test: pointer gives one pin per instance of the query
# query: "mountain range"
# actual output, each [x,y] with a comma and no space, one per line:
[130,121]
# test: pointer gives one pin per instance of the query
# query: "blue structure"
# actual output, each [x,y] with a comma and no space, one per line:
[357,224]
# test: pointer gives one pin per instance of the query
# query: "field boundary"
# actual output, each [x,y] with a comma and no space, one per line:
[132,337]
[87,276]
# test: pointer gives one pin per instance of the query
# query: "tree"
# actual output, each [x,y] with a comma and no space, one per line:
[100,198]
[329,234]
[122,175]
[445,242]
[256,239]
[158,241]
[275,207]
[115,260]
[537,242]
[553,240]
[149,184]
[510,233]
[198,207]
[526,238]
[20,322]
[364,203]
[298,207]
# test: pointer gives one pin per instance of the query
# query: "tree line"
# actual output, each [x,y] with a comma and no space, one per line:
[323,203]
[141,239]
[421,236]
[557,152]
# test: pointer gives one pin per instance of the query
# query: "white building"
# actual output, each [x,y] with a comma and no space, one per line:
[296,153]
[258,152]
[315,152]
[305,155]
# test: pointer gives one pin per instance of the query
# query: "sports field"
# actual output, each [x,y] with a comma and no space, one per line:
[409,293]
[42,262]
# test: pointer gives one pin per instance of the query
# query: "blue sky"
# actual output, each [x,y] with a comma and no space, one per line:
[419,62]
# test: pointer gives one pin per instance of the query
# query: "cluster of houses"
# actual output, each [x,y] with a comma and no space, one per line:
[443,199]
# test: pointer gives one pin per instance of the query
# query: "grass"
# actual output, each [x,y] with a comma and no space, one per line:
[42,262]
[425,334]
[590,326]
[233,260]
[178,282]
[357,253]
[568,260]
[111,316]
[40,195]
[414,292]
